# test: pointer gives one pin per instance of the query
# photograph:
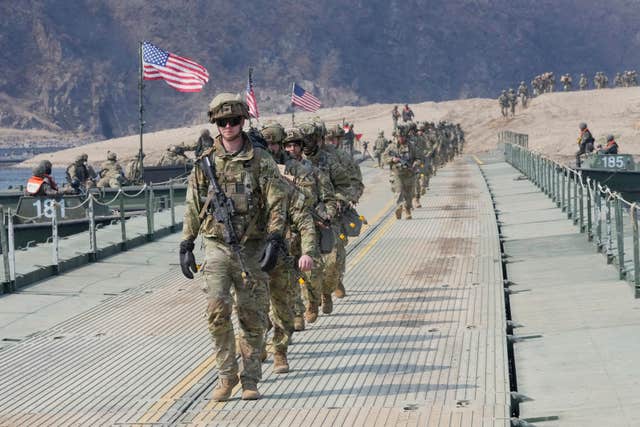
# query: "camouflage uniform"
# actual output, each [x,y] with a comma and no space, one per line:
[503,100]
[174,156]
[329,164]
[378,148]
[402,175]
[250,178]
[420,146]
[584,83]
[132,171]
[111,174]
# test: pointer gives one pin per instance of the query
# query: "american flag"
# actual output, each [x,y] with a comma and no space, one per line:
[304,99]
[182,74]
[251,99]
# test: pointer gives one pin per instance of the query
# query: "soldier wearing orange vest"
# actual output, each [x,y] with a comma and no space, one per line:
[42,183]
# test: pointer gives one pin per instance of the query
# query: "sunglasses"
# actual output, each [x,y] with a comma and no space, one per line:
[233,121]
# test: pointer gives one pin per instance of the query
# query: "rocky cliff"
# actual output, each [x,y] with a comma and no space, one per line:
[70,68]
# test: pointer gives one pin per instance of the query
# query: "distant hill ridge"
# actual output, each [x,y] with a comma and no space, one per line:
[71,67]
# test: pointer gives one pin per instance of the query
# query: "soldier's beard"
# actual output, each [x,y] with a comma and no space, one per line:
[309,148]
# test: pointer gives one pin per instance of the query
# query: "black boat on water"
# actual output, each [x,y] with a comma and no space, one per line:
[619,172]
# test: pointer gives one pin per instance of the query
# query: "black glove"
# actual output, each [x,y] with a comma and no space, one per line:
[269,257]
[187,260]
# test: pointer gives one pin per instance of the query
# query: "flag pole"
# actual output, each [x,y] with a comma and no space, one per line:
[250,85]
[141,107]
[293,108]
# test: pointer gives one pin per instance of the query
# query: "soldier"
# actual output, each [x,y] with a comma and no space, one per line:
[327,161]
[585,142]
[378,147]
[513,101]
[78,175]
[566,81]
[133,171]
[618,81]
[400,157]
[503,100]
[584,83]
[407,113]
[611,147]
[419,142]
[300,235]
[321,198]
[111,174]
[174,156]
[395,115]
[274,134]
[348,139]
[523,92]
[42,183]
[203,143]
[250,178]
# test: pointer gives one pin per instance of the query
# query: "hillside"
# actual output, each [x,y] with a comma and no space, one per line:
[70,68]
[551,122]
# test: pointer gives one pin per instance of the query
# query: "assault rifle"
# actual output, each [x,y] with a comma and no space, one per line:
[405,163]
[222,209]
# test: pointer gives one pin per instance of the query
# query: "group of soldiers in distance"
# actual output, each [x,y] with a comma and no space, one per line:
[546,83]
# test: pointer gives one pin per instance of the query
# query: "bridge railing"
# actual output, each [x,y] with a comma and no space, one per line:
[508,137]
[604,216]
[154,214]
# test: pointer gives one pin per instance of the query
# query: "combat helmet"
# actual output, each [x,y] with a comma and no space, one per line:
[227,105]
[273,133]
[401,131]
[295,135]
[609,138]
[112,156]
[582,126]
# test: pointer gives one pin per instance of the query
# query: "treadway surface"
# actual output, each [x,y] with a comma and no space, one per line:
[580,324]
[419,340]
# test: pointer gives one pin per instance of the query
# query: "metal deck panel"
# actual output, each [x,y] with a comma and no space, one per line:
[419,339]
[583,368]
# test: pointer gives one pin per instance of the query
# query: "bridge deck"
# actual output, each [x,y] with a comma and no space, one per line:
[419,340]
[579,363]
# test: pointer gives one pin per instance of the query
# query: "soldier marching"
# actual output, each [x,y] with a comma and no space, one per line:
[279,255]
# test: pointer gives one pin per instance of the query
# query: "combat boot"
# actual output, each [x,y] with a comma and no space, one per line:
[340,291]
[311,314]
[399,212]
[222,392]
[298,323]
[264,355]
[416,203]
[407,214]
[250,391]
[327,304]
[280,363]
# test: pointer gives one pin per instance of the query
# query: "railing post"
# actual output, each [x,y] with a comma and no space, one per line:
[569,208]
[563,204]
[589,216]
[636,249]
[4,242]
[598,208]
[620,237]
[575,199]
[149,211]
[173,208]
[55,249]
[12,249]
[558,192]
[123,225]
[609,252]
[581,200]
[92,230]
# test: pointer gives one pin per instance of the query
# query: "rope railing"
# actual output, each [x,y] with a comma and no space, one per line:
[599,212]
[55,216]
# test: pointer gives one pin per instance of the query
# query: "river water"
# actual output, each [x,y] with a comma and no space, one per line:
[14,177]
